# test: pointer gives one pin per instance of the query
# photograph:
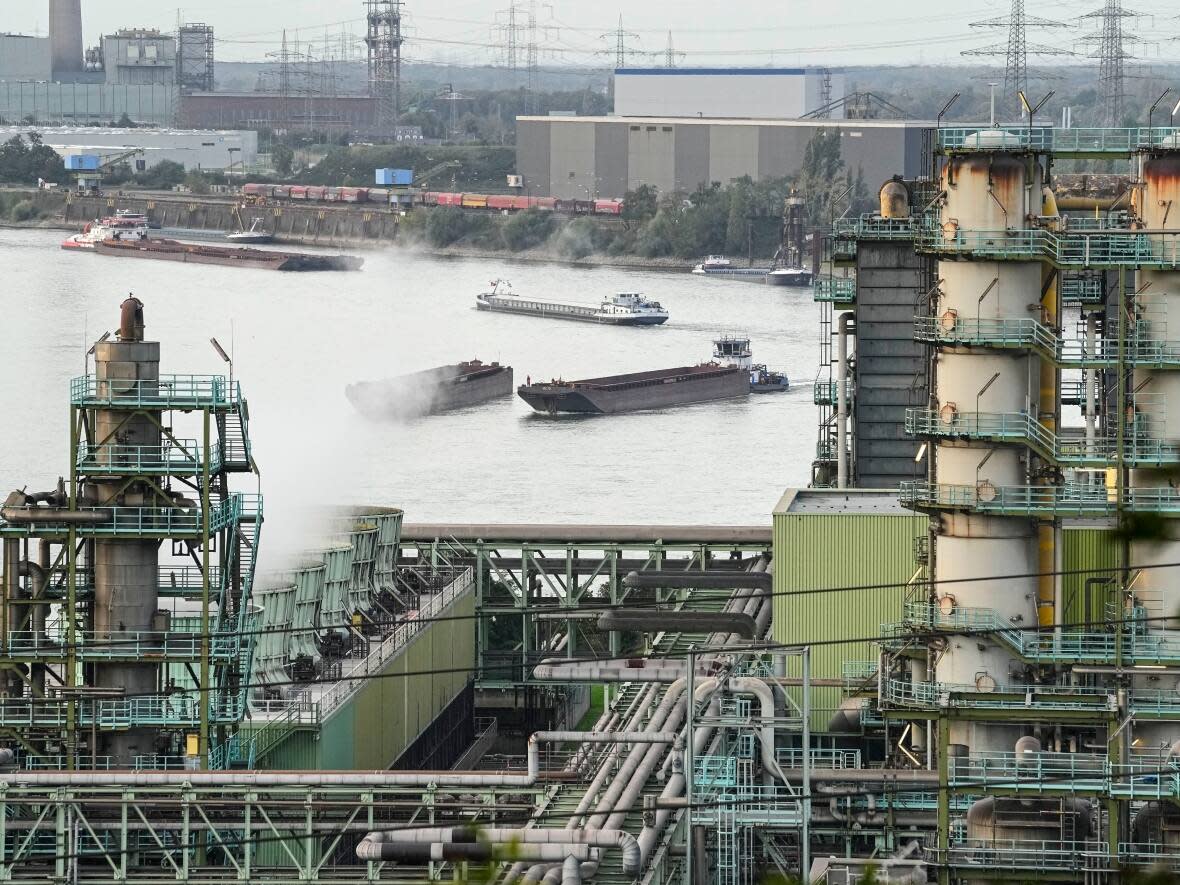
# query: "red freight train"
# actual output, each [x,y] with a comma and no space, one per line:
[473,201]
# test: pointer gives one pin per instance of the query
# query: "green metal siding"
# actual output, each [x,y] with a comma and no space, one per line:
[1087,548]
[814,551]
[380,721]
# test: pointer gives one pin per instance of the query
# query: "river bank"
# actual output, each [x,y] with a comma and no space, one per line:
[331,226]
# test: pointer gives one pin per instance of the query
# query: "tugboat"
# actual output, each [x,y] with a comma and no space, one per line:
[122,226]
[733,349]
[624,309]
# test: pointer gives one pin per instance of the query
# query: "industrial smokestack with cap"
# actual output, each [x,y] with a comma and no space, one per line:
[65,35]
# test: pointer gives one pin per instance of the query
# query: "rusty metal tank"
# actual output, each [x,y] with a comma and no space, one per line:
[894,197]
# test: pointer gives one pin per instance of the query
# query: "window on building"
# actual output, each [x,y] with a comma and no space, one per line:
[132,52]
[667,128]
[149,51]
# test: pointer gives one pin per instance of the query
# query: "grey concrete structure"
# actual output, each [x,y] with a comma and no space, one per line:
[588,157]
[745,93]
[25,58]
[891,367]
[139,58]
[61,103]
[65,35]
[192,148]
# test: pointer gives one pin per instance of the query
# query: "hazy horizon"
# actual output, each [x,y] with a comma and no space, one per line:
[754,33]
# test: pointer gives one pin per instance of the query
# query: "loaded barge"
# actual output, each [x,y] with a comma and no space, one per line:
[432,391]
[192,253]
[658,389]
[624,309]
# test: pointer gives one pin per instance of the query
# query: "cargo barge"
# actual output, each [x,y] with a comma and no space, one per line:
[432,391]
[658,389]
[624,309]
[193,253]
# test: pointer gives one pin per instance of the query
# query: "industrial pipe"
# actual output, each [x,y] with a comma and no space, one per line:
[842,399]
[654,621]
[531,836]
[591,737]
[31,515]
[571,871]
[705,579]
[379,778]
[419,853]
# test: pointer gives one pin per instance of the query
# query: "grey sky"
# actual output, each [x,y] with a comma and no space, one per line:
[709,32]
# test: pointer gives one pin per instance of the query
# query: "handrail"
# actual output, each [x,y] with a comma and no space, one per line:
[1071,498]
[1115,141]
[168,391]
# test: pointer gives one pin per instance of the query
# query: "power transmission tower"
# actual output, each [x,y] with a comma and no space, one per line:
[1017,50]
[384,41]
[620,38]
[531,59]
[1112,41]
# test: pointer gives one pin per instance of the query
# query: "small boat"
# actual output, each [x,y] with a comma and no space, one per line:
[624,309]
[733,349]
[257,234]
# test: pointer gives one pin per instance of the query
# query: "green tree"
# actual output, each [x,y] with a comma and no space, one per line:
[25,159]
[527,229]
[283,159]
[163,176]
[640,204]
[822,178]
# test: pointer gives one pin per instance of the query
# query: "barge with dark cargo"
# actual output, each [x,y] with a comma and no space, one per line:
[659,389]
[432,391]
[227,256]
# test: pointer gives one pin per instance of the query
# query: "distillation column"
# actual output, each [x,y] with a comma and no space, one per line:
[988,303]
[126,572]
[1156,417]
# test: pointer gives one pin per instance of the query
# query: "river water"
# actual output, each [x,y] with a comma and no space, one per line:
[298,339]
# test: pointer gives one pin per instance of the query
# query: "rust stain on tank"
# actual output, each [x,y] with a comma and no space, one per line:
[1161,186]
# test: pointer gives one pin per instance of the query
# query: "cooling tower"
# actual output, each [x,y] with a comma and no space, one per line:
[65,35]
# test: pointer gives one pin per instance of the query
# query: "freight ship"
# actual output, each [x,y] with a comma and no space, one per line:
[659,389]
[624,309]
[432,391]
[191,253]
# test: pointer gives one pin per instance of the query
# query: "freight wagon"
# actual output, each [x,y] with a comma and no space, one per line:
[504,203]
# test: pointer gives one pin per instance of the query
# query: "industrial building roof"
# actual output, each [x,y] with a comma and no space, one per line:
[736,121]
[851,502]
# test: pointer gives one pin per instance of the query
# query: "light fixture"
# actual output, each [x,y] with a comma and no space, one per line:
[220,350]
[94,346]
[921,453]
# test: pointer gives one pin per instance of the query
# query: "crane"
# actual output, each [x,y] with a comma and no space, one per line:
[91,168]
[405,197]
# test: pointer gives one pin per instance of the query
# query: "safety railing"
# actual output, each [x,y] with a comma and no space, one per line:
[819,757]
[1071,499]
[129,645]
[167,392]
[840,290]
[1036,772]
[105,713]
[933,695]
[875,227]
[1023,429]
[183,457]
[1078,289]
[1081,250]
[826,393]
[1016,854]
[1151,647]
[1088,140]
[1018,332]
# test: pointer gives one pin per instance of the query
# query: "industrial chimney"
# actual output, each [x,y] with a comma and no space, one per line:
[65,35]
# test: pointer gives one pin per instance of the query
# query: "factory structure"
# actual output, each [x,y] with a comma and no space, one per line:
[982,686]
[681,128]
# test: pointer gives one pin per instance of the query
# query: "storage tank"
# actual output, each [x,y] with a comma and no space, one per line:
[894,197]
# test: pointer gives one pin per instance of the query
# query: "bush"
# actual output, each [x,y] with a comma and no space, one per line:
[448,225]
[163,176]
[528,229]
[25,210]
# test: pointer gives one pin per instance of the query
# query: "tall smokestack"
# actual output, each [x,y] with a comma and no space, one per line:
[65,35]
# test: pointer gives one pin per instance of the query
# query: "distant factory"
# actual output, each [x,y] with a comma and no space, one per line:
[194,149]
[678,129]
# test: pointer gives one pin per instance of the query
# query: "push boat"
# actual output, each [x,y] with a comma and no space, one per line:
[624,309]
[733,349]
[431,391]
[256,235]
[116,227]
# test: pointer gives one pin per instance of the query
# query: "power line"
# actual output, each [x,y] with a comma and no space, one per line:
[1017,49]
[1112,41]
